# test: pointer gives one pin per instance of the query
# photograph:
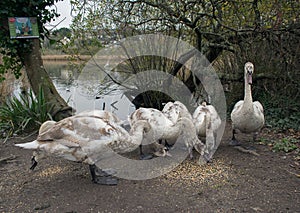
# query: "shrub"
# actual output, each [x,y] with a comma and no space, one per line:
[286,144]
[23,114]
[281,112]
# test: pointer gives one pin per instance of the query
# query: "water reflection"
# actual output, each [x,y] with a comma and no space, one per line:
[84,95]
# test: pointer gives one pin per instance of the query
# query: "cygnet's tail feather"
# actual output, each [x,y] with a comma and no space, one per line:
[208,123]
[29,145]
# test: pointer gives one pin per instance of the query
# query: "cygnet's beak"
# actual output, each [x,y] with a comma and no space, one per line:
[162,153]
[168,154]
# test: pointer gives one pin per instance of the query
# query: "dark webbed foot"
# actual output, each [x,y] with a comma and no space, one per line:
[207,158]
[102,177]
[106,180]
[234,142]
[190,151]
[146,156]
[203,160]
[249,150]
[255,137]
[168,146]
[34,163]
[250,147]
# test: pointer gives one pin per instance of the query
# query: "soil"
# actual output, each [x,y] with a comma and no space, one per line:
[234,181]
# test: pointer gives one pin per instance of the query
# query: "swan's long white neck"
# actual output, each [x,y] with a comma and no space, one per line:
[133,139]
[248,94]
[187,125]
[248,101]
[136,137]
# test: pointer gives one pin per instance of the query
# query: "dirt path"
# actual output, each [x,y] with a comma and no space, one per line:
[233,182]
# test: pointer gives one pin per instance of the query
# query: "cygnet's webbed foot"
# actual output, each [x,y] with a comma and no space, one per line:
[250,147]
[103,177]
[204,160]
[106,180]
[168,146]
[161,151]
[234,142]
[190,151]
[250,150]
[207,157]
[34,163]
[146,156]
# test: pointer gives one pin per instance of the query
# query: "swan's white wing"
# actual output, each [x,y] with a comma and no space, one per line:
[199,120]
[157,120]
[259,113]
[93,128]
[46,126]
[153,116]
[259,106]
[237,107]
[197,111]
[171,112]
[182,110]
[215,118]
[55,131]
[103,114]
[78,131]
[168,107]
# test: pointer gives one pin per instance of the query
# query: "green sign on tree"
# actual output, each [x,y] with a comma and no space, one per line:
[23,27]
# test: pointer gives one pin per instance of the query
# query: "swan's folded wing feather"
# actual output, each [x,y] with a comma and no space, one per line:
[259,106]
[92,128]
[237,107]
[170,112]
[101,114]
[52,134]
[69,142]
[198,111]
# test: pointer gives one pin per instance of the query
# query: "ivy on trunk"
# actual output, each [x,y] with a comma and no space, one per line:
[39,79]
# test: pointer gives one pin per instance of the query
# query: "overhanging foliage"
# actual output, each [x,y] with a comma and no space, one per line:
[11,47]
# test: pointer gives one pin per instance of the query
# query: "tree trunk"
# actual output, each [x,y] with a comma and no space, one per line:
[39,79]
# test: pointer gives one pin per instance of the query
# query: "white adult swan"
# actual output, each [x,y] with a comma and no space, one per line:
[247,116]
[81,138]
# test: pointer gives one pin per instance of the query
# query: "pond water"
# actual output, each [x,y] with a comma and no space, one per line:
[75,92]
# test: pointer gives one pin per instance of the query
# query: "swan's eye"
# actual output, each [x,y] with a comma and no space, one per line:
[250,70]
